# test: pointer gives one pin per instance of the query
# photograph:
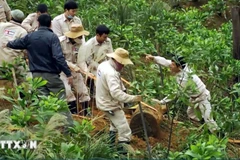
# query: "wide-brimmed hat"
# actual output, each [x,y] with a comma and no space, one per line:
[76,30]
[121,56]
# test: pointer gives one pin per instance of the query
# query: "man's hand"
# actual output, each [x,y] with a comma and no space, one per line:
[77,69]
[149,57]
[137,98]
[90,75]
[70,80]
[4,45]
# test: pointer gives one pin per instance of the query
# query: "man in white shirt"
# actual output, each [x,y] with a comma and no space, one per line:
[70,43]
[31,23]
[10,31]
[110,96]
[93,52]
[63,22]
[183,75]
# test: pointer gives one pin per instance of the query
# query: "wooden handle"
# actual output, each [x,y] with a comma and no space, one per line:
[128,83]
[233,141]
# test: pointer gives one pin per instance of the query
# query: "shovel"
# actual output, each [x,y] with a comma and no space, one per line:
[145,131]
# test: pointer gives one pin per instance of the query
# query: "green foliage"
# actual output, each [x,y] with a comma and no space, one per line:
[39,118]
[147,26]
[18,64]
[211,148]
[215,6]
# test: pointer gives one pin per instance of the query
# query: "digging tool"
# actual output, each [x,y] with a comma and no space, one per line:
[128,83]
[172,121]
[145,131]
[14,79]
[170,134]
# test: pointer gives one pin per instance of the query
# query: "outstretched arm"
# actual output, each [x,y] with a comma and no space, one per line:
[20,43]
[159,60]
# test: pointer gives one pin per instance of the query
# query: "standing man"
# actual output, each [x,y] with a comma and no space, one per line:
[46,58]
[30,23]
[199,96]
[110,96]
[71,41]
[10,31]
[5,10]
[62,23]
[92,53]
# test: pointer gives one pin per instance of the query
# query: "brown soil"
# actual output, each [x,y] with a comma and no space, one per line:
[4,86]
[101,124]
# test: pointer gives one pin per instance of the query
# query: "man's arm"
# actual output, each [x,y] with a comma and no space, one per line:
[7,10]
[114,84]
[58,56]
[83,53]
[159,60]
[110,49]
[20,43]
[56,27]
[27,22]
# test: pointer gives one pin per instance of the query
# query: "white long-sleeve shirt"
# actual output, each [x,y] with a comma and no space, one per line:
[30,23]
[184,76]
[92,53]
[110,93]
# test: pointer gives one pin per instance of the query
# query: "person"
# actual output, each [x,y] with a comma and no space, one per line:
[30,23]
[5,11]
[70,42]
[199,95]
[62,23]
[10,31]
[110,96]
[46,58]
[92,53]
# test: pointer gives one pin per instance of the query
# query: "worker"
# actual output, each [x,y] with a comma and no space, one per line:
[110,97]
[5,11]
[70,42]
[46,59]
[10,31]
[30,23]
[62,23]
[199,95]
[92,53]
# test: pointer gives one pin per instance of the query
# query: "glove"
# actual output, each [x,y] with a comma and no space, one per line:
[149,57]
[73,67]
[196,100]
[137,98]
[161,102]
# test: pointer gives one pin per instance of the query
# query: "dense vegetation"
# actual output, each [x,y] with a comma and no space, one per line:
[142,26]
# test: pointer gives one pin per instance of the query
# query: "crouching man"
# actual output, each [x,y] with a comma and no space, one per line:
[200,97]
[110,96]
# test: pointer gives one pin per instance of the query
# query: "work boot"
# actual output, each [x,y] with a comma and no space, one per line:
[72,107]
[124,148]
[85,106]
[112,138]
